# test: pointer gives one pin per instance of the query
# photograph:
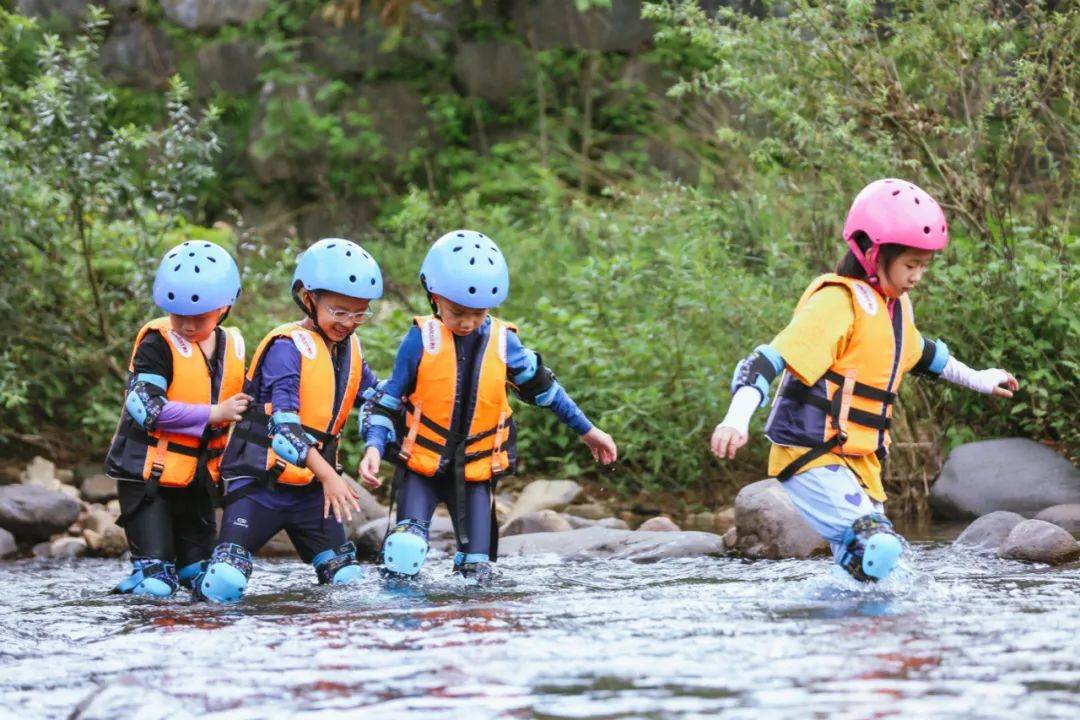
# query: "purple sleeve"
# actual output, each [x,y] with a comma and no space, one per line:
[281,376]
[368,380]
[183,418]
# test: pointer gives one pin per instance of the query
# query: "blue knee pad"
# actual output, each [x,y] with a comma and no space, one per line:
[149,577]
[406,548]
[337,566]
[872,548]
[226,575]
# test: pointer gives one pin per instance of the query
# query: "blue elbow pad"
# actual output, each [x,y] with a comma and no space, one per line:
[935,356]
[379,420]
[547,397]
[758,370]
[288,438]
[146,399]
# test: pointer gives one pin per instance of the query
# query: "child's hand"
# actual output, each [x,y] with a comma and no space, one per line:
[726,441]
[369,468]
[339,495]
[601,445]
[230,410]
[1010,383]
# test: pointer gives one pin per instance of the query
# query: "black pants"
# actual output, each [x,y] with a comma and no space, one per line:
[176,525]
[418,496]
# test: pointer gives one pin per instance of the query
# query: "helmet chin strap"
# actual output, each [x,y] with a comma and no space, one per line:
[311,313]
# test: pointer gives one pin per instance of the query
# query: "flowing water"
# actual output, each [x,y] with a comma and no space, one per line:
[952,635]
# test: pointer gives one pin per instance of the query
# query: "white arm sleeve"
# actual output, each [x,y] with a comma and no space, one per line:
[743,404]
[983,381]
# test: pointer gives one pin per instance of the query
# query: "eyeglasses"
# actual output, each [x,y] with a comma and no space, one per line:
[346,316]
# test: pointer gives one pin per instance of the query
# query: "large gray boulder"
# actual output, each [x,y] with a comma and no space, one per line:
[1064,516]
[989,531]
[1013,474]
[230,67]
[1040,541]
[213,14]
[98,488]
[599,542]
[769,525]
[34,513]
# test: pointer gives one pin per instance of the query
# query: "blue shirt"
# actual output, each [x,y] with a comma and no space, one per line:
[521,365]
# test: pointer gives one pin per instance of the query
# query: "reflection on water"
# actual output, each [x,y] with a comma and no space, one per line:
[953,634]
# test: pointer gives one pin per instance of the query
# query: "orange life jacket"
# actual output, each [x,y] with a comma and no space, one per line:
[430,407]
[849,410]
[174,458]
[317,391]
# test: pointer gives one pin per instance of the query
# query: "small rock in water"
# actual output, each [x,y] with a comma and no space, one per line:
[771,527]
[66,476]
[546,495]
[989,531]
[731,539]
[68,547]
[1064,516]
[99,488]
[536,522]
[42,549]
[1040,541]
[7,543]
[660,523]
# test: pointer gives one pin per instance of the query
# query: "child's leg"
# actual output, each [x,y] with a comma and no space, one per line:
[321,541]
[148,523]
[837,508]
[195,533]
[478,501]
[406,547]
[245,527]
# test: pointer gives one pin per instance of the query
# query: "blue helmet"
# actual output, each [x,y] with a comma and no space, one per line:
[339,266]
[872,548]
[466,267]
[196,277]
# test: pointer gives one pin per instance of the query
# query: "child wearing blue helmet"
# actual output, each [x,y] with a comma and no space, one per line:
[446,412]
[184,386]
[280,466]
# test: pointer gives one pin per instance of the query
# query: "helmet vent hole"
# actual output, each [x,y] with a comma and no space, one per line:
[490,261]
[352,278]
[895,192]
[191,254]
[186,244]
[196,268]
[211,259]
[916,201]
[942,228]
[472,261]
[348,253]
[176,268]
[171,296]
[461,234]
[331,245]
[472,291]
[494,290]
[477,246]
[172,256]
[372,281]
[366,256]
[194,298]
[457,248]
[926,229]
[206,245]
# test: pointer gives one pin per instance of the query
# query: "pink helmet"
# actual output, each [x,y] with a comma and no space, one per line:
[894,212]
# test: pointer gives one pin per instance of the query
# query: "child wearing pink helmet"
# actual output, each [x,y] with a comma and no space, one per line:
[842,357]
